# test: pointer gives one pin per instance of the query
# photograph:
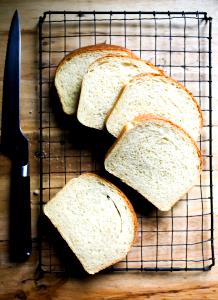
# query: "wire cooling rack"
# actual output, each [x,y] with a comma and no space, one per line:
[178,42]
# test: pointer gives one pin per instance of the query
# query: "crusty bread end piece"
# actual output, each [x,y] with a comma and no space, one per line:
[160,95]
[70,71]
[157,158]
[96,220]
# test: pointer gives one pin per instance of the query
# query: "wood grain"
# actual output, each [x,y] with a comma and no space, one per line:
[22,281]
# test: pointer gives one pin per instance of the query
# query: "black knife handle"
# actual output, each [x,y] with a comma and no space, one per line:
[20,244]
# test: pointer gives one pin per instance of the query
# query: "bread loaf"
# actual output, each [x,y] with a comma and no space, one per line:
[96,220]
[157,158]
[159,95]
[70,71]
[102,85]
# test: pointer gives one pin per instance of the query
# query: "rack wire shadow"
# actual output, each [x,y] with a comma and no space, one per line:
[178,42]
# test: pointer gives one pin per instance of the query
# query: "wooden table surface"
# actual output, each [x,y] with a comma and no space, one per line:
[20,281]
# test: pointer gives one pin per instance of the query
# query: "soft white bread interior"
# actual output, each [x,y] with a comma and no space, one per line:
[96,220]
[157,158]
[102,85]
[159,95]
[70,71]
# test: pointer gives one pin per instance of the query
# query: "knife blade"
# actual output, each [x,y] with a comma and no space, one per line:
[15,145]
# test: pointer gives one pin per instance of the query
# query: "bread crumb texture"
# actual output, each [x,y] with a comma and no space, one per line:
[95,219]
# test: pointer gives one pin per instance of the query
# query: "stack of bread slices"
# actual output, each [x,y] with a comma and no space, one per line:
[156,121]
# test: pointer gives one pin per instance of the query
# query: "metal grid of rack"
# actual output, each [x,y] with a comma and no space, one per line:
[178,42]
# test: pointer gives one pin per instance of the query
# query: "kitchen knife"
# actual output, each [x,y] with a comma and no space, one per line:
[15,145]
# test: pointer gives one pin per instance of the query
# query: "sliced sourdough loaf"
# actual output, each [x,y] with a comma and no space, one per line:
[102,85]
[159,95]
[70,71]
[157,158]
[96,220]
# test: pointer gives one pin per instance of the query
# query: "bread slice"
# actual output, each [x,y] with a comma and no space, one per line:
[160,95]
[96,220]
[102,85]
[157,158]
[70,71]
